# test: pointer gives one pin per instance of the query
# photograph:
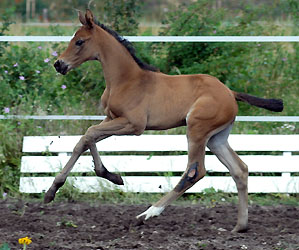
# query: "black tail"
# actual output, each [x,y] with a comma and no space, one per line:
[275,105]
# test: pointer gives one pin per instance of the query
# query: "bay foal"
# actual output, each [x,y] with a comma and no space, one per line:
[139,98]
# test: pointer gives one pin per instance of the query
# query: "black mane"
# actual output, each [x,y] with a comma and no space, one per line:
[128,46]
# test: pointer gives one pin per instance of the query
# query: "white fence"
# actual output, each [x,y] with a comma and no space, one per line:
[148,164]
[102,117]
[161,38]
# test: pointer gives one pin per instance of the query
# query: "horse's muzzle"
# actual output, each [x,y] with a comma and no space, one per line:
[61,67]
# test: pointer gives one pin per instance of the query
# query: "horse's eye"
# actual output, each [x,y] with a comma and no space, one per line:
[79,42]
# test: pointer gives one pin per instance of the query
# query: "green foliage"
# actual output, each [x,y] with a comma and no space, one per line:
[293,9]
[4,27]
[272,199]
[9,157]
[122,15]
[190,20]
[4,246]
[210,197]
[26,82]
[66,223]
[68,192]
[262,69]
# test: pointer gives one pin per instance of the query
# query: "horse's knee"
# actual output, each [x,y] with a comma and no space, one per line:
[90,135]
[82,145]
[59,181]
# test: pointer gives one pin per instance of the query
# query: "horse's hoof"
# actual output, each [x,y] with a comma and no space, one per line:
[240,229]
[115,178]
[150,212]
[49,197]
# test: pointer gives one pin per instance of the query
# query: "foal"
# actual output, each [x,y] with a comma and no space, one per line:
[138,98]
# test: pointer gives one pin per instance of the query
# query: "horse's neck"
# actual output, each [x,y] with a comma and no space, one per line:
[118,65]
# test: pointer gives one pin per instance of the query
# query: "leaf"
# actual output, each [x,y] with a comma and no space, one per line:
[4,246]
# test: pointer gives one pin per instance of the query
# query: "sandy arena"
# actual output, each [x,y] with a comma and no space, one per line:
[79,225]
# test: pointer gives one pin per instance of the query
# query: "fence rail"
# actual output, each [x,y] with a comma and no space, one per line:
[102,117]
[161,38]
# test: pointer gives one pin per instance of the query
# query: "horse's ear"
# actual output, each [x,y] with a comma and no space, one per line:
[89,18]
[81,18]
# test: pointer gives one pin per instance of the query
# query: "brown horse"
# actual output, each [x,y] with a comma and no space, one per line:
[138,97]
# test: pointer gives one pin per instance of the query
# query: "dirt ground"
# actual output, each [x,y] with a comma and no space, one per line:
[79,225]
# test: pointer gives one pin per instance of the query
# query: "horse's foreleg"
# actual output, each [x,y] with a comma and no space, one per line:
[61,177]
[118,126]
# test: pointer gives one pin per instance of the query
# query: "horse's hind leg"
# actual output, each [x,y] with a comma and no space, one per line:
[198,133]
[100,169]
[207,116]
[194,172]
[219,146]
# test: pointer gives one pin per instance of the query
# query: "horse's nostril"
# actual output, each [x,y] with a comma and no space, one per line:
[57,64]
[61,67]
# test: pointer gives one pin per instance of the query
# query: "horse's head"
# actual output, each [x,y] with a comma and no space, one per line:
[81,48]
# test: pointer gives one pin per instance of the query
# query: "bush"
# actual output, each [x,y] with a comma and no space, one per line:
[6,22]
[122,15]
[29,82]
[262,69]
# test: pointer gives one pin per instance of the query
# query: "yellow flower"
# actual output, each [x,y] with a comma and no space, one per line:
[25,241]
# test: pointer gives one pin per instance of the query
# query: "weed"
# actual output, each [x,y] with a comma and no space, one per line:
[274,198]
[4,246]
[66,223]
[202,245]
[68,192]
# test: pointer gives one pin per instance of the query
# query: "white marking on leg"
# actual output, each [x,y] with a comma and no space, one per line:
[187,117]
[151,212]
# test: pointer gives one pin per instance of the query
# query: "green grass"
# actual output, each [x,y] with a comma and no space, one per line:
[209,197]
